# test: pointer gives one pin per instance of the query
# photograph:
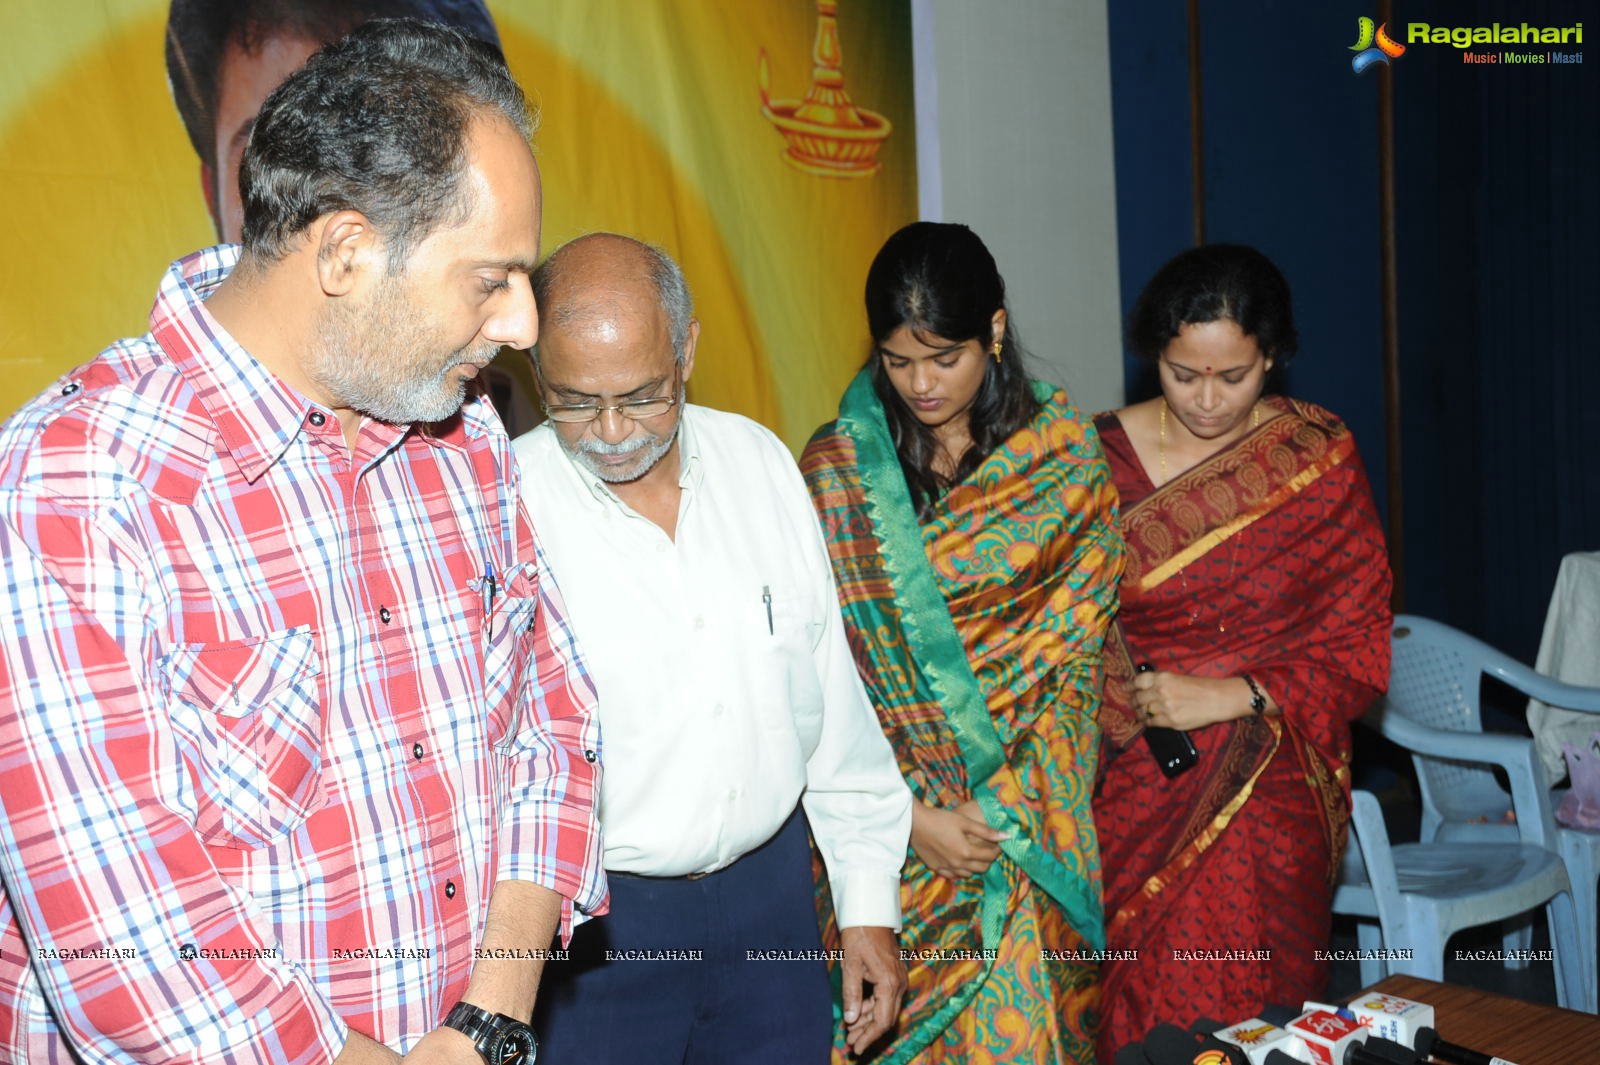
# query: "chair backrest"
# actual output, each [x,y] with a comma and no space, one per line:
[1435,680]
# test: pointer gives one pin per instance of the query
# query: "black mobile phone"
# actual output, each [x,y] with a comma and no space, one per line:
[1172,748]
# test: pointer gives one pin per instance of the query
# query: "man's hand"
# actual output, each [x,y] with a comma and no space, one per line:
[443,1046]
[360,1050]
[954,843]
[523,916]
[871,956]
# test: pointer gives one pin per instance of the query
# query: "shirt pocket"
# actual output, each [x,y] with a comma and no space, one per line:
[249,718]
[783,671]
[505,623]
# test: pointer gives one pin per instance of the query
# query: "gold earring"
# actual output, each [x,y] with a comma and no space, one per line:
[995,351]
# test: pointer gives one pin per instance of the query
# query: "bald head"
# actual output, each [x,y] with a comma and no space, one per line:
[596,280]
[616,346]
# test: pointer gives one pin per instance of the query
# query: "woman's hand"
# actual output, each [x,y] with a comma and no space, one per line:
[1176,700]
[954,843]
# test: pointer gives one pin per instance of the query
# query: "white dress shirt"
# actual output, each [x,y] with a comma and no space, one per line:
[727,688]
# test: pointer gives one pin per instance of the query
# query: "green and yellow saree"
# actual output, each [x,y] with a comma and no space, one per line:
[978,636]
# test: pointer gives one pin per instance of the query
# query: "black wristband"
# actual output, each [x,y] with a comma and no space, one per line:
[1258,701]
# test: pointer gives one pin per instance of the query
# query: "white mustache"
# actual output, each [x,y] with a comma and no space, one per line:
[625,447]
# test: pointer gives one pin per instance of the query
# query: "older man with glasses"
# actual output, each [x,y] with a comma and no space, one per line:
[731,711]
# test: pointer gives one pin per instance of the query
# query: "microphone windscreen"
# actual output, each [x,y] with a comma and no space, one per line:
[1132,1054]
[1167,1044]
[1278,1016]
[1389,1050]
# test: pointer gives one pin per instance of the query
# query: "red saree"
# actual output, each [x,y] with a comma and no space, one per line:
[1267,558]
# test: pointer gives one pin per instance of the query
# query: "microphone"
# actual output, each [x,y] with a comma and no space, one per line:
[1388,1050]
[1358,1054]
[1255,1037]
[1428,1042]
[1328,1037]
[1167,1044]
[1279,1016]
[1132,1054]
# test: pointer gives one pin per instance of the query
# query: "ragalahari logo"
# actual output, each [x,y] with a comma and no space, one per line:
[1373,45]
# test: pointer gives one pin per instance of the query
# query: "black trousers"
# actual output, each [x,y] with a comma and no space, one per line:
[721,970]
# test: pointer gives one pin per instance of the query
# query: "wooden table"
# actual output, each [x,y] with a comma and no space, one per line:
[1528,1033]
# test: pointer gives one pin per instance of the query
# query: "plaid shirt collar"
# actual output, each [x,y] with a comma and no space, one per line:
[256,415]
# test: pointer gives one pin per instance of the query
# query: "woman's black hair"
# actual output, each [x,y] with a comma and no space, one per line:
[938,280]
[1211,283]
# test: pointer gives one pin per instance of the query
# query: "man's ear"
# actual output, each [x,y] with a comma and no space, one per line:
[349,251]
[688,348]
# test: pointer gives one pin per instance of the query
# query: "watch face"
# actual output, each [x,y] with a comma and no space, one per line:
[513,1045]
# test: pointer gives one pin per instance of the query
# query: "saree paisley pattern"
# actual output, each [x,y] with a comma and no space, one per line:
[1265,559]
[978,635]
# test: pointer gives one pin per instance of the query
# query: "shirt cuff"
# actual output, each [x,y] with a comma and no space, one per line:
[866,899]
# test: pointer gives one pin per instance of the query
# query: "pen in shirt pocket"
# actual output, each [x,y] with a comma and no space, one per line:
[488,597]
[766,598]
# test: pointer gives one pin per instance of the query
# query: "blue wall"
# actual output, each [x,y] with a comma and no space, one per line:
[1499,262]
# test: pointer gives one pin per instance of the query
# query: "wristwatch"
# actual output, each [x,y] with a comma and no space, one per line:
[498,1039]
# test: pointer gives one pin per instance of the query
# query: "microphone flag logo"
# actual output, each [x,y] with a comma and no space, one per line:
[1373,45]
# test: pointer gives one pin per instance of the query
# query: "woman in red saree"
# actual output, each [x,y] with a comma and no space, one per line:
[1255,621]
[972,528]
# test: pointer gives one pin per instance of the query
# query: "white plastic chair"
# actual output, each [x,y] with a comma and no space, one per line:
[1436,678]
[1420,894]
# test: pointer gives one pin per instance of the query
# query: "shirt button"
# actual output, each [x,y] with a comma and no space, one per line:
[71,387]
[317,418]
[449,889]
[661,549]
[590,757]
[416,751]
[699,623]
[718,709]
[384,615]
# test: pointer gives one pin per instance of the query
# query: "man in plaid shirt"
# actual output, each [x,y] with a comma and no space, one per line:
[298,748]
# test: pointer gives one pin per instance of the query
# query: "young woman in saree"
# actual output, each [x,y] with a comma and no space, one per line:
[971,523]
[1255,619]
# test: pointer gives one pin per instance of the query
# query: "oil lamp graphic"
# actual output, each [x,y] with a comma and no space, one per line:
[826,133]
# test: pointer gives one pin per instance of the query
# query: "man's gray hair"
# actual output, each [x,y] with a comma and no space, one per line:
[672,291]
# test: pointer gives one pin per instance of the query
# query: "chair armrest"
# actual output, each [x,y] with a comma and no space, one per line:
[1530,792]
[1544,688]
[1497,664]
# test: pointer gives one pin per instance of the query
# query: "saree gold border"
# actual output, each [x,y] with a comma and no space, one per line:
[1216,537]
[1191,854]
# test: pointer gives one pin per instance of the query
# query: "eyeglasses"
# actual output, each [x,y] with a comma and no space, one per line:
[637,409]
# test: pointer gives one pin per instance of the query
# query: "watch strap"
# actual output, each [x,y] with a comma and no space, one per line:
[484,1028]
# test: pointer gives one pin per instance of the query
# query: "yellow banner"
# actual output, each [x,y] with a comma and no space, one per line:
[655,120]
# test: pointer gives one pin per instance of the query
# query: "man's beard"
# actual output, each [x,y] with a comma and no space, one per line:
[650,449]
[382,360]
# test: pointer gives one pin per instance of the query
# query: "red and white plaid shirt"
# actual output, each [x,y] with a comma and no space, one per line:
[275,718]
